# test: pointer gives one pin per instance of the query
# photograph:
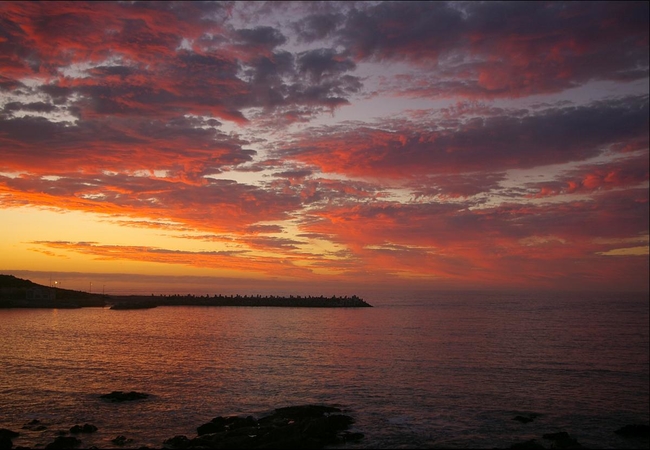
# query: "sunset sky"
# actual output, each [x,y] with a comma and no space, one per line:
[428,144]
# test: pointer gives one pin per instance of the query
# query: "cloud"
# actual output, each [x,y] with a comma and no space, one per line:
[623,173]
[515,244]
[500,49]
[491,143]
[206,259]
[160,60]
[318,26]
[216,205]
[139,111]
[180,145]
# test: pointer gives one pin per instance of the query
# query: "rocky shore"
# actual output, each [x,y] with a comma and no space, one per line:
[293,427]
[311,426]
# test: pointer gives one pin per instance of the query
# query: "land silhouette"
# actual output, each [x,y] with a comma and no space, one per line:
[19,293]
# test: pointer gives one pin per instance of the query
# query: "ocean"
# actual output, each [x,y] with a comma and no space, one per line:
[418,370]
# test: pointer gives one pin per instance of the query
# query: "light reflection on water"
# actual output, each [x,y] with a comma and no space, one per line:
[425,370]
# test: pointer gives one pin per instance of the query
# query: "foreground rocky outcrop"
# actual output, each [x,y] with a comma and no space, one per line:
[304,427]
[560,440]
[85,428]
[634,431]
[6,437]
[64,442]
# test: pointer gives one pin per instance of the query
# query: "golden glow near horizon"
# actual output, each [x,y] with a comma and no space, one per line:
[500,155]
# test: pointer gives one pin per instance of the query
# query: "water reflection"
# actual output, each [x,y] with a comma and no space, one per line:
[440,368]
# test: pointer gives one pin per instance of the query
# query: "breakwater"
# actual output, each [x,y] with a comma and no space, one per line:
[143,302]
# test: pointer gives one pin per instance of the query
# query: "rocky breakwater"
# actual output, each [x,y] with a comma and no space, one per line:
[306,426]
[291,301]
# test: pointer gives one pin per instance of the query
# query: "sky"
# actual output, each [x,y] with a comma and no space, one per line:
[170,145]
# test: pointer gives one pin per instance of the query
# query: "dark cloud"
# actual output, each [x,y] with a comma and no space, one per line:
[219,205]
[40,107]
[507,49]
[402,30]
[181,144]
[264,37]
[323,62]
[294,174]
[494,143]
[457,185]
[317,26]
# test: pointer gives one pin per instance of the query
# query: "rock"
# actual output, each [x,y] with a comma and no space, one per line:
[220,424]
[300,427]
[531,444]
[562,440]
[349,436]
[8,433]
[5,443]
[179,441]
[121,440]
[634,431]
[86,428]
[64,442]
[216,425]
[119,396]
[522,419]
[34,425]
[300,412]
[525,419]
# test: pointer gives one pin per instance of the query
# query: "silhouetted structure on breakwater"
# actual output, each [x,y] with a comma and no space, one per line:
[142,302]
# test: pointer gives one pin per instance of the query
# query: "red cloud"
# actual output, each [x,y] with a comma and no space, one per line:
[216,260]
[509,245]
[492,143]
[503,49]
[218,206]
[625,173]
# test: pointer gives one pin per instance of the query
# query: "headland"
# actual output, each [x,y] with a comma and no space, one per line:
[19,293]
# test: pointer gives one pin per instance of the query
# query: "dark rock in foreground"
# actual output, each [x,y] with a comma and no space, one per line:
[177,442]
[121,440]
[34,425]
[634,431]
[531,444]
[119,396]
[562,439]
[86,428]
[64,442]
[300,427]
[4,432]
[526,418]
[5,443]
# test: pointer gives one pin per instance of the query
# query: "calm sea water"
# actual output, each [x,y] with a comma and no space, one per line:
[416,371]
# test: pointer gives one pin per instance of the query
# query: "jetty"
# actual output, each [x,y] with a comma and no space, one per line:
[291,301]
[19,293]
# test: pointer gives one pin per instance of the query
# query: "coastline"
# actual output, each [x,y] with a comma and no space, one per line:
[19,293]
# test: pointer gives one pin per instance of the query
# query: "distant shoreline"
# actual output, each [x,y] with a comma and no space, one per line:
[19,293]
